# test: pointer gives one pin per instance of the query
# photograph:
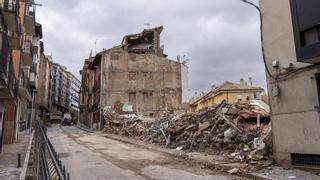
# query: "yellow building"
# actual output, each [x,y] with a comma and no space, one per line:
[231,92]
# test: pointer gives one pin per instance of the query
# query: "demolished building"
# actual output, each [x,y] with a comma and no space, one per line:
[133,77]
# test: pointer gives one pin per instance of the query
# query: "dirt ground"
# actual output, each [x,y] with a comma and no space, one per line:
[90,156]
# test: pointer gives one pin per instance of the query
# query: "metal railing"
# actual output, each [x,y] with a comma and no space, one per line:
[47,165]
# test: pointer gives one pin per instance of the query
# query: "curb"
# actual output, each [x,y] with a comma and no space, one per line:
[26,160]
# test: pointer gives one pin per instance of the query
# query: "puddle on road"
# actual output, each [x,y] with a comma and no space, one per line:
[77,152]
[164,173]
[63,155]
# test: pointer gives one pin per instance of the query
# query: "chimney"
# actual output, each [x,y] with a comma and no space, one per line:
[178,58]
[250,82]
[213,87]
[241,81]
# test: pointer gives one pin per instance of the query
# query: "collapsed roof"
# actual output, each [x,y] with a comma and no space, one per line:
[148,41]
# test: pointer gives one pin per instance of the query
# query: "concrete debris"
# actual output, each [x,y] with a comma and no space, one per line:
[225,128]
[233,171]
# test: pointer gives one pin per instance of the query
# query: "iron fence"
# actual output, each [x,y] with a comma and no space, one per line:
[47,165]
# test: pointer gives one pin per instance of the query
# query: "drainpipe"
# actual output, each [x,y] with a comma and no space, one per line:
[2,119]
[101,90]
[32,109]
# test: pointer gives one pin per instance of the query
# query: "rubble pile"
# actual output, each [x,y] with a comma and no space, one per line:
[129,125]
[241,129]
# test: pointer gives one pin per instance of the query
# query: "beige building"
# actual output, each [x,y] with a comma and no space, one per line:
[43,96]
[229,92]
[137,75]
[292,47]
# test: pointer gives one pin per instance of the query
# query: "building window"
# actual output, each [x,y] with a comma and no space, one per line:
[145,96]
[132,57]
[239,98]
[317,76]
[114,57]
[132,76]
[311,36]
[305,20]
[145,74]
[257,96]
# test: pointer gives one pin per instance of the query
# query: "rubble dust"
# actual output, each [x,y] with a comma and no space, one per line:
[240,131]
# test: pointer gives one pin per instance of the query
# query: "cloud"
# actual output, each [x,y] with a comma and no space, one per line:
[220,37]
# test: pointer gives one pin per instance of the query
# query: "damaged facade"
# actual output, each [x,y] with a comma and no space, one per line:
[43,96]
[133,77]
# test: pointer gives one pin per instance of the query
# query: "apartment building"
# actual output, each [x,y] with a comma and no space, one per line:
[65,90]
[20,30]
[137,75]
[291,38]
[7,78]
[75,94]
[43,96]
[228,91]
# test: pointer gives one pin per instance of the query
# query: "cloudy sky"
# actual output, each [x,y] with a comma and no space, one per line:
[220,37]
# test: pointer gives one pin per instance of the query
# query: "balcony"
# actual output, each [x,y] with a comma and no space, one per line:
[24,92]
[33,80]
[9,6]
[25,84]
[30,25]
[10,16]
[6,72]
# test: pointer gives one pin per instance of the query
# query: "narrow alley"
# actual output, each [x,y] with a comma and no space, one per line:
[91,156]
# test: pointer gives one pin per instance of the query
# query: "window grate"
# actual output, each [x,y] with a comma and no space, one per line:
[305,160]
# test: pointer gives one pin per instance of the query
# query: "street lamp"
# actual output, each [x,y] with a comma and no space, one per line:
[252,4]
[261,36]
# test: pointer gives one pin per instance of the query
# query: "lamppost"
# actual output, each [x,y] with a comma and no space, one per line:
[261,36]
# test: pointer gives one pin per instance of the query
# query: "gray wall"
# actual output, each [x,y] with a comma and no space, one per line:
[295,121]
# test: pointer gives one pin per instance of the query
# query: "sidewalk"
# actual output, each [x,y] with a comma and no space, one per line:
[9,157]
[281,173]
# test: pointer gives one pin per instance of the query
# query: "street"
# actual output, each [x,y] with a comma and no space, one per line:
[89,156]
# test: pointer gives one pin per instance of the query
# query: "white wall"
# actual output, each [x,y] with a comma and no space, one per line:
[185,83]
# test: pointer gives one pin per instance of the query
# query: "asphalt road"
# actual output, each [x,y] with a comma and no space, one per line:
[89,156]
